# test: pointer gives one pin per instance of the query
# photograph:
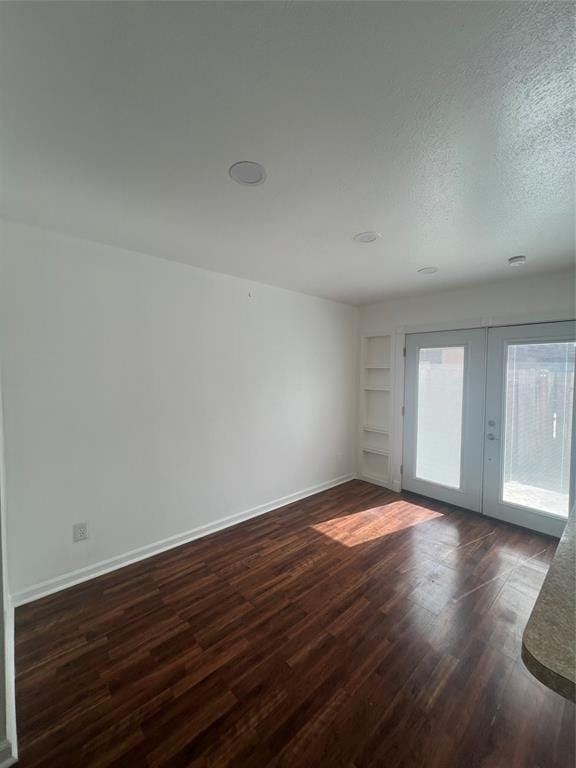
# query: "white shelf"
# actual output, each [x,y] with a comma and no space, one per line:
[374,439]
[379,451]
[376,350]
[377,478]
[374,428]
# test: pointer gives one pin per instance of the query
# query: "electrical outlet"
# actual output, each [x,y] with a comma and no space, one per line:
[79,531]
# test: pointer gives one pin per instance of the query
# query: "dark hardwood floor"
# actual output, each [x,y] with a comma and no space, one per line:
[355,628]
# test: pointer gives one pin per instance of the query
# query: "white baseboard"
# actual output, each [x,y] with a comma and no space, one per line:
[105,566]
[9,747]
[392,485]
[6,756]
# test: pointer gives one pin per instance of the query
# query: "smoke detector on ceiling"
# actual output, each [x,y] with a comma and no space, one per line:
[367,237]
[516,261]
[248,173]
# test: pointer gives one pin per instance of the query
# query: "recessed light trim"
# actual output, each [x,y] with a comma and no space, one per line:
[517,261]
[427,270]
[367,237]
[248,173]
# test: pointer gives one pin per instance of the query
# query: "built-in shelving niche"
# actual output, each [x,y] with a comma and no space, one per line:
[377,350]
[378,378]
[375,467]
[376,441]
[376,409]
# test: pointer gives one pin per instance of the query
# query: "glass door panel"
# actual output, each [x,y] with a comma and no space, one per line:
[537,426]
[529,407]
[439,422]
[444,411]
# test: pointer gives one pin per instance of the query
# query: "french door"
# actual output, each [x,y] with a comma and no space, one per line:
[444,416]
[488,420]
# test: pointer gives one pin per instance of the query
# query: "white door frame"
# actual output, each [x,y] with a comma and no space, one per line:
[8,740]
[399,331]
[400,378]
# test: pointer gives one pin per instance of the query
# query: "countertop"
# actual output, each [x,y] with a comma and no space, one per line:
[549,641]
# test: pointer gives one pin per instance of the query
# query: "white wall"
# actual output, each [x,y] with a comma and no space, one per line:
[514,300]
[149,398]
[517,299]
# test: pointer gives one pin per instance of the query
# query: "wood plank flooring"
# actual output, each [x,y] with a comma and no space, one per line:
[354,629]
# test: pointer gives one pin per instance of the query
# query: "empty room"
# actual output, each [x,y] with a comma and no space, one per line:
[287,355]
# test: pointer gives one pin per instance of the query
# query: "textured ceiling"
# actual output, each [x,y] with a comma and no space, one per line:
[447,127]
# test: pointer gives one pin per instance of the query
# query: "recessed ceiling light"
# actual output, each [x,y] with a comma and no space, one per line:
[517,261]
[367,237]
[427,270]
[248,173]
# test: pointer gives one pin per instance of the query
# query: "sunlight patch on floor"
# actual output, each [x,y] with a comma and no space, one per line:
[374,523]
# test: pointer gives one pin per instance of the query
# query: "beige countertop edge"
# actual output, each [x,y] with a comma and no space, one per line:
[549,640]
[549,678]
